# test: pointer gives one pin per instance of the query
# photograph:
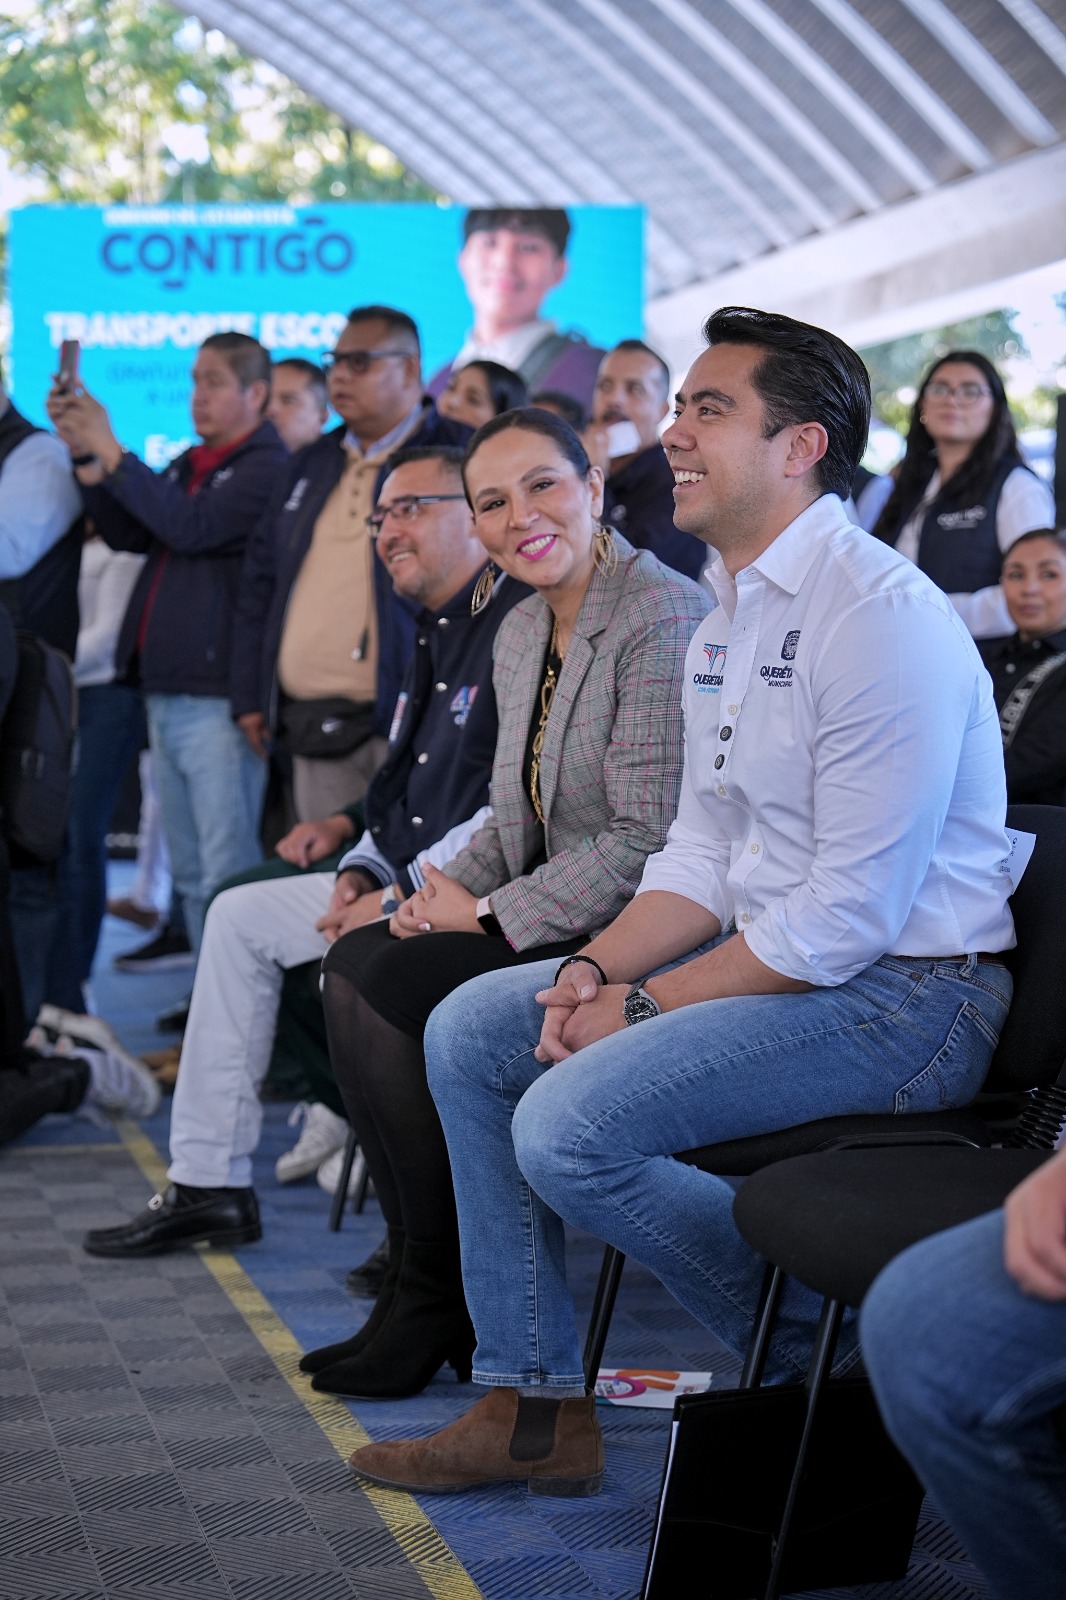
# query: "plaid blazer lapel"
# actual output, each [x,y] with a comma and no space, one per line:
[513,807]
[597,608]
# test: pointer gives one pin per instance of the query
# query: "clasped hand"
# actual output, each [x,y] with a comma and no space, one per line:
[348,909]
[579,1009]
[441,906]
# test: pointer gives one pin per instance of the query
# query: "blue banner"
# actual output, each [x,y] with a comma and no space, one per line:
[141,287]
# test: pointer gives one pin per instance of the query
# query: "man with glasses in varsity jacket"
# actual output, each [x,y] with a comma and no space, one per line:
[321,640]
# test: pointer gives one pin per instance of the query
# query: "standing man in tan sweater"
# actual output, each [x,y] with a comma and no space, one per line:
[322,639]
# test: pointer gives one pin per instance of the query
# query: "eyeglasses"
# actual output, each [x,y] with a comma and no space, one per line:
[967,394]
[357,361]
[406,509]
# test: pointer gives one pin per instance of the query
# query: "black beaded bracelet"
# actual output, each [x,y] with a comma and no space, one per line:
[570,961]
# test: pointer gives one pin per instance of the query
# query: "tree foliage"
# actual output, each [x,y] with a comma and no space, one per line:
[111,101]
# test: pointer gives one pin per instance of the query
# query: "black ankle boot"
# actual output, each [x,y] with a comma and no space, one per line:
[329,1354]
[427,1324]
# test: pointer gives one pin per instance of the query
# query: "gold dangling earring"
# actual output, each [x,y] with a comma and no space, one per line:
[483,590]
[605,551]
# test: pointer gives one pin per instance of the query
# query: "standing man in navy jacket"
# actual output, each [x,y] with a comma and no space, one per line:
[322,641]
[193,520]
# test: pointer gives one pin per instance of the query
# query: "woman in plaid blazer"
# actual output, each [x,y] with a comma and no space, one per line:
[585,784]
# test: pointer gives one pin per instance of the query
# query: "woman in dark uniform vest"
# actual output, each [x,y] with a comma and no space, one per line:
[1028,670]
[963,493]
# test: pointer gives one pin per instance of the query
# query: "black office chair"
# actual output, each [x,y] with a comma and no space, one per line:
[833,1217]
[351,1153]
[1031,1051]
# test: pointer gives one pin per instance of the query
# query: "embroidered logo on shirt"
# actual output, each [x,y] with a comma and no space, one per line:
[293,502]
[397,715]
[962,519]
[462,705]
[788,649]
[221,476]
[711,682]
[776,677]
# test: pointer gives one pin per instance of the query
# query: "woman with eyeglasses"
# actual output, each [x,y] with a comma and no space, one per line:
[963,494]
[480,391]
[585,784]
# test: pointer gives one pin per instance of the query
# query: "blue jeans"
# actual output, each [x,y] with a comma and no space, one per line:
[969,1373]
[592,1140]
[210,796]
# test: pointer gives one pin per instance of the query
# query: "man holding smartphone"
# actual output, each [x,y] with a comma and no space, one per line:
[192,521]
[631,399]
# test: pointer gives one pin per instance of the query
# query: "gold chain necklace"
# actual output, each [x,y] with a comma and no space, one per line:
[547,695]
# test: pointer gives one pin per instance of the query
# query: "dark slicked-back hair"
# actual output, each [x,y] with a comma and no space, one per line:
[531,419]
[973,479]
[316,378]
[638,347]
[805,375]
[244,356]
[399,324]
[507,389]
[550,222]
[450,456]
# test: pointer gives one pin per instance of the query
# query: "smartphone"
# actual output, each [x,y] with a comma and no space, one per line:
[622,439]
[69,354]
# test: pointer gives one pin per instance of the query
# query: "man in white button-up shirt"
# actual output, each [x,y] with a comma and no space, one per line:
[822,928]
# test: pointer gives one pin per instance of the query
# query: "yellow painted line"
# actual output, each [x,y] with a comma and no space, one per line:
[437,1565]
[59,1149]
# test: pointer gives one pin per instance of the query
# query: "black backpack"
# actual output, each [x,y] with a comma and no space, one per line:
[37,739]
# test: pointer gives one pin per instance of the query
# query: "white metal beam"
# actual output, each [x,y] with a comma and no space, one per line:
[766,94]
[702,100]
[907,83]
[984,69]
[1040,28]
[877,272]
[834,88]
[696,150]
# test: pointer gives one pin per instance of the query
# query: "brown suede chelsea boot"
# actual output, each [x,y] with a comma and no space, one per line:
[554,1446]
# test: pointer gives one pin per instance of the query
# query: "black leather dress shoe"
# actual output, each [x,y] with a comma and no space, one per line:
[182,1216]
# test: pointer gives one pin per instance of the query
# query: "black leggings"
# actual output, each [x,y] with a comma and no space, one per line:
[378,993]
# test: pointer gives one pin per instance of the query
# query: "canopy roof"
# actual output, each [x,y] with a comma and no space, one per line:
[749,129]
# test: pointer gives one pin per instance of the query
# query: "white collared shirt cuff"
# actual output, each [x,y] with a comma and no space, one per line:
[669,875]
[768,943]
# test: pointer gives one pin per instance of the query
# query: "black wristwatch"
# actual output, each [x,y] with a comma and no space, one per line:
[489,923]
[638,1006]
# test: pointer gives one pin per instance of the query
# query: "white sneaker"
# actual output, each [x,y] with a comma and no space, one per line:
[323,1133]
[74,1033]
[81,1026]
[117,1082]
[328,1175]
